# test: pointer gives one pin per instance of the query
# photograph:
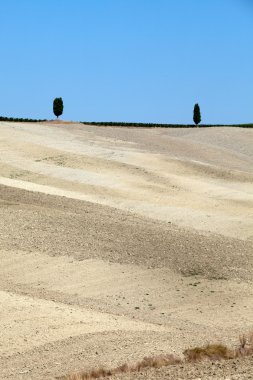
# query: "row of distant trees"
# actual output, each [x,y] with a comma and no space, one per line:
[58,110]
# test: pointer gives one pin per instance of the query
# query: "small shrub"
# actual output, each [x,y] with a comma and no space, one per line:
[212,352]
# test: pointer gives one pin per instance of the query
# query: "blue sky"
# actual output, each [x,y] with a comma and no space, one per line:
[128,60]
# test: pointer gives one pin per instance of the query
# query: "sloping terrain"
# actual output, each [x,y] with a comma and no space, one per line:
[121,243]
[195,178]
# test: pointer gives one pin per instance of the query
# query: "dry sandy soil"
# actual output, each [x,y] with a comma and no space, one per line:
[117,244]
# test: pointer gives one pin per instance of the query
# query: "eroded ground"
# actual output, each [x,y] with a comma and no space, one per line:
[159,259]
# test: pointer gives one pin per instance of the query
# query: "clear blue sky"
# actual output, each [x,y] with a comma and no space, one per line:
[128,60]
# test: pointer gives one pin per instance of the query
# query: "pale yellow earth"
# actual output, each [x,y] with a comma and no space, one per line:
[117,243]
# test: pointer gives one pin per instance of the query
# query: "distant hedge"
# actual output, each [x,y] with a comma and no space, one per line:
[242,125]
[154,125]
[16,119]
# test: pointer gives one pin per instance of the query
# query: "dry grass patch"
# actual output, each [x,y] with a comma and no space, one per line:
[147,362]
[220,351]
[208,352]
[211,351]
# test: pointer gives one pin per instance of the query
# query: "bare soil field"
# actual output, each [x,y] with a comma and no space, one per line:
[119,243]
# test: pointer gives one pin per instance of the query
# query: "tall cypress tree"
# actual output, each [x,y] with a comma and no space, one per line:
[58,107]
[196,114]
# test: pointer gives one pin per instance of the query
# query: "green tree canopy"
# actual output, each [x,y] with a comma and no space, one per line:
[58,107]
[196,114]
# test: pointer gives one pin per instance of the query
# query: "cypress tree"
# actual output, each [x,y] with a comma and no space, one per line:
[196,114]
[58,107]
